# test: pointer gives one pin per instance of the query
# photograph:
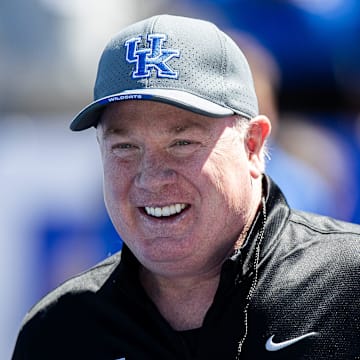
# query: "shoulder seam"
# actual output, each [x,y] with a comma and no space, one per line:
[322,231]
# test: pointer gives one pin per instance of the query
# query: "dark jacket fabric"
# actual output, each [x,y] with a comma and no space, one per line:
[294,284]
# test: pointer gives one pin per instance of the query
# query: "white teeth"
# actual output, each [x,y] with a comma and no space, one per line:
[165,211]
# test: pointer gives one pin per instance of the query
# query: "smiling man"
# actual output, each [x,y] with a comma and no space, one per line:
[180,188]
[215,265]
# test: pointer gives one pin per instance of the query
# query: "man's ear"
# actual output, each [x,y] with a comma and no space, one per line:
[258,132]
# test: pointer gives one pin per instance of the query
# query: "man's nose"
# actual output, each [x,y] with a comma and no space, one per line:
[154,172]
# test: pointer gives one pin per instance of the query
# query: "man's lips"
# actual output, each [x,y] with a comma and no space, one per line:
[165,211]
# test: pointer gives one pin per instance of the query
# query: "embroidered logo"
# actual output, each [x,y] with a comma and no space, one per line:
[272,346]
[154,57]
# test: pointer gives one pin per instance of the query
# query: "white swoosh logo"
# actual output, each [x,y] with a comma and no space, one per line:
[272,346]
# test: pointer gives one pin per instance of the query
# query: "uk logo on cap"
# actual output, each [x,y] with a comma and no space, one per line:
[155,57]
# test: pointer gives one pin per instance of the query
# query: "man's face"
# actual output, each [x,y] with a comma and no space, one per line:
[177,185]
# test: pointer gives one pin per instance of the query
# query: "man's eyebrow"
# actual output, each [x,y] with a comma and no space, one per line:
[178,129]
[113,131]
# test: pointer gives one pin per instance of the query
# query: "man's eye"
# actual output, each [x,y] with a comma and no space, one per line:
[124,146]
[182,143]
[123,149]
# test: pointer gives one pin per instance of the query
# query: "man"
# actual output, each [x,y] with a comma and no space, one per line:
[214,265]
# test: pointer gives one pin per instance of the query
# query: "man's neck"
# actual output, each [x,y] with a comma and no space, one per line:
[183,302]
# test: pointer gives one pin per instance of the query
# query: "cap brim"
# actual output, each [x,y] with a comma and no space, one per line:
[89,116]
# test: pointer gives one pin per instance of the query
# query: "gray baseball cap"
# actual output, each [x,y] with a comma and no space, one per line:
[185,62]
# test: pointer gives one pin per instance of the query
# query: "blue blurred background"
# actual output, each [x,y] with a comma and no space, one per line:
[305,55]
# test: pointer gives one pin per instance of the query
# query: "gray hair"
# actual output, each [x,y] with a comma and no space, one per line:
[241,124]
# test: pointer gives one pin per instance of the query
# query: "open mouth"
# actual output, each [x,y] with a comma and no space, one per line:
[165,211]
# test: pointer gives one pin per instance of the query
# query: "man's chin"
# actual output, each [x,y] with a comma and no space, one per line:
[166,261]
